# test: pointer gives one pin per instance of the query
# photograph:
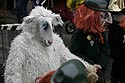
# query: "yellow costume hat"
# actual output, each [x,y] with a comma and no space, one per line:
[73,4]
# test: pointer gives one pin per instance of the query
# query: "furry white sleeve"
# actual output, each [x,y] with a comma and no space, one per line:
[66,55]
[13,68]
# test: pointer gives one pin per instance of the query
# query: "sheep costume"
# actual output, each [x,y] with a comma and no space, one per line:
[37,50]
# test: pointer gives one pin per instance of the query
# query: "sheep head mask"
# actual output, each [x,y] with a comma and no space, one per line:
[40,25]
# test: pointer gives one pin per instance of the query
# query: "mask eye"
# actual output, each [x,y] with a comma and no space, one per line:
[103,15]
[45,26]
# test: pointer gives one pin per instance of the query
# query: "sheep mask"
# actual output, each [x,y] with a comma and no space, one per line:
[40,24]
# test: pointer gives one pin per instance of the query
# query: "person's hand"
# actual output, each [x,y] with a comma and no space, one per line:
[92,72]
[98,67]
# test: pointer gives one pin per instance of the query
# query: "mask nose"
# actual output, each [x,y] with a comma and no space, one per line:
[108,18]
[50,42]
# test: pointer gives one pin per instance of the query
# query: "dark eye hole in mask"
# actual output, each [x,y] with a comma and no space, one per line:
[45,26]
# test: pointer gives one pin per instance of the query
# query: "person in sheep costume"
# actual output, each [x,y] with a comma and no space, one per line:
[37,50]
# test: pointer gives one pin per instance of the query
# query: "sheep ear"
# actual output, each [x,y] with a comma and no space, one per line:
[57,21]
[29,19]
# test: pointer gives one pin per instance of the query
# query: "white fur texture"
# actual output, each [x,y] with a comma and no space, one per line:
[29,59]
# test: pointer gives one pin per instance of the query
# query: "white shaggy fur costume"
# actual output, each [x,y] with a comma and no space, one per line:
[30,57]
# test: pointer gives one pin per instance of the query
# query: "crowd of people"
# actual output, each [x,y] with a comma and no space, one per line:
[97,41]
[18,7]
[117,46]
[99,34]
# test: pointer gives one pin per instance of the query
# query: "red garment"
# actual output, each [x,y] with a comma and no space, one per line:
[61,8]
[122,23]
[46,78]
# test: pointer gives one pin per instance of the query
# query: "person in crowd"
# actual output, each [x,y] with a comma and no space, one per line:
[39,3]
[90,40]
[11,6]
[117,47]
[3,4]
[116,40]
[21,6]
[36,50]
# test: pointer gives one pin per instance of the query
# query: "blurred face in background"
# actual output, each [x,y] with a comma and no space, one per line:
[120,18]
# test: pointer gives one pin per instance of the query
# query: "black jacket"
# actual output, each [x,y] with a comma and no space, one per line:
[117,46]
[93,51]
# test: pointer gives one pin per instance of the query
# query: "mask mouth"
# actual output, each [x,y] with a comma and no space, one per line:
[47,43]
[105,26]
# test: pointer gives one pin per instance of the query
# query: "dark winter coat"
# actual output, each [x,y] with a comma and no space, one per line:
[93,51]
[117,48]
